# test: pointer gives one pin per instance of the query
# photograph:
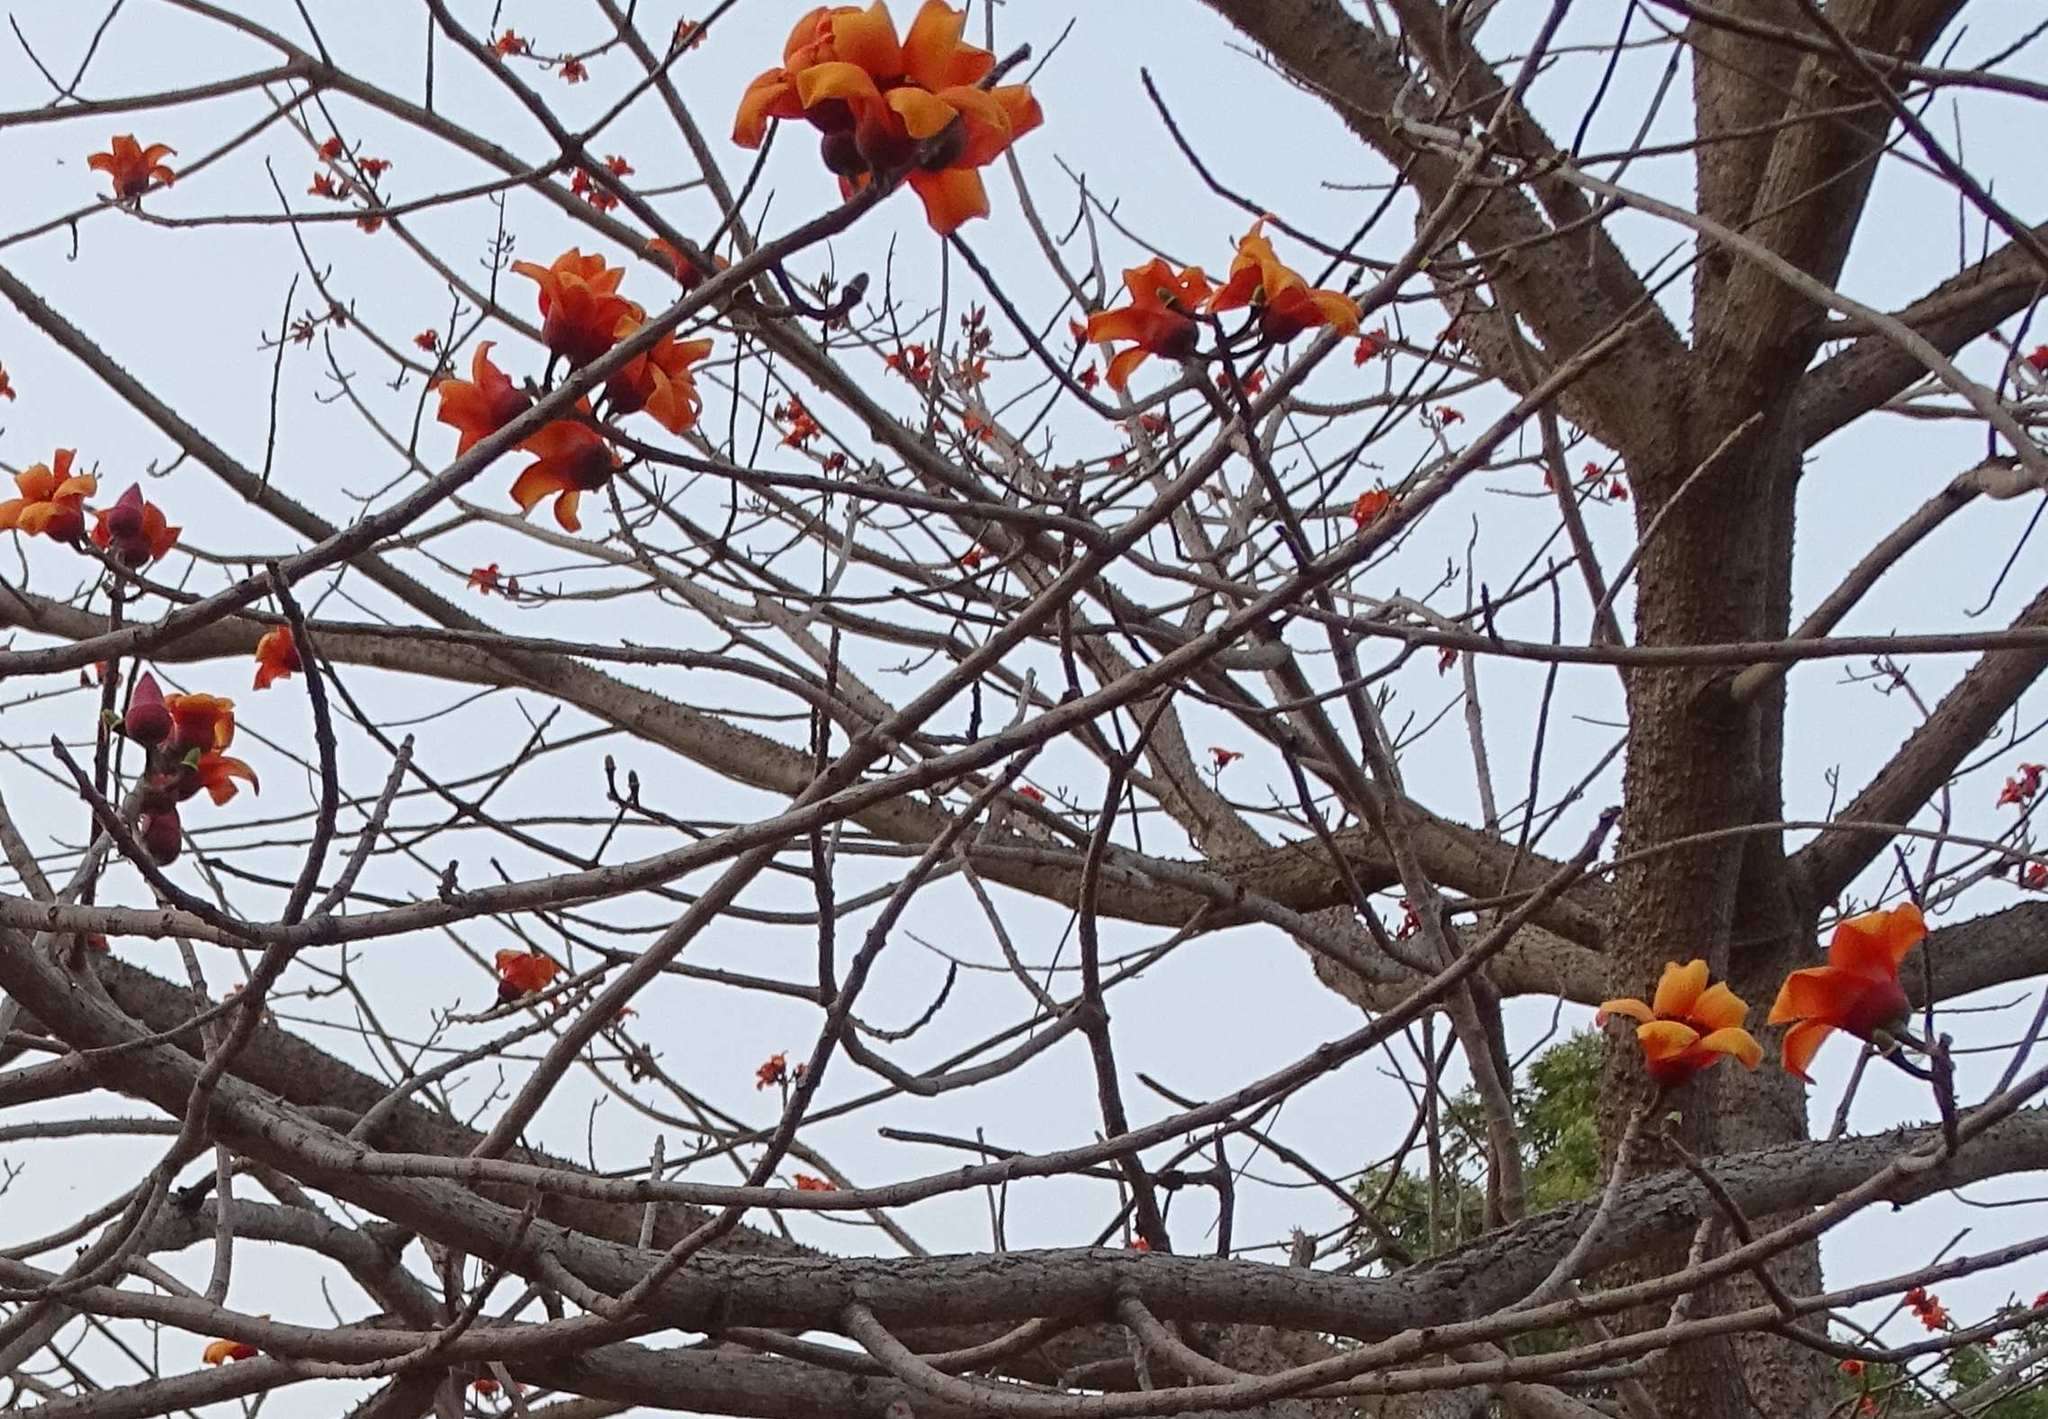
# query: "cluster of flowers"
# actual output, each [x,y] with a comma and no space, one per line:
[582,317]
[186,738]
[1164,305]
[886,107]
[1689,1025]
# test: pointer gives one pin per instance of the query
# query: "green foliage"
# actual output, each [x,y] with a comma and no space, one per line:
[1556,1120]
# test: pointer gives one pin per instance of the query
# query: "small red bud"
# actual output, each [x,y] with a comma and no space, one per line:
[124,518]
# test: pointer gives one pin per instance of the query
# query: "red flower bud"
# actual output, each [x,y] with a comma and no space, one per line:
[162,835]
[149,718]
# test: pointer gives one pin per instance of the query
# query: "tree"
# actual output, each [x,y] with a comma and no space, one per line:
[757,671]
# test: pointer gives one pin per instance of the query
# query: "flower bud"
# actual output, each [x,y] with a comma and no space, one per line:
[162,835]
[149,719]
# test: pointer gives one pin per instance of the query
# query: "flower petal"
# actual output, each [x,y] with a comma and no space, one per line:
[1736,1043]
[924,115]
[1718,1008]
[950,197]
[1125,365]
[1802,1042]
[1628,1008]
[1816,993]
[868,38]
[835,80]
[1678,988]
[1665,1039]
[933,55]
[1875,943]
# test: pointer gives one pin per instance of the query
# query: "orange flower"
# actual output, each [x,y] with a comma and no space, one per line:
[1857,990]
[132,166]
[522,973]
[203,722]
[806,1183]
[885,105]
[773,1070]
[52,501]
[134,531]
[1158,321]
[222,1351]
[277,655]
[1287,304]
[1371,506]
[573,460]
[582,312]
[1688,1026]
[660,382]
[482,404]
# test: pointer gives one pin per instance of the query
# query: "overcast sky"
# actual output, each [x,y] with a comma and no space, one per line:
[188,310]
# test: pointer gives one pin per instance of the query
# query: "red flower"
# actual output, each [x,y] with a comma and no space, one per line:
[660,382]
[428,340]
[573,72]
[1370,345]
[1617,491]
[1287,305]
[6,384]
[277,655]
[913,362]
[52,501]
[134,531]
[132,166]
[1138,1244]
[202,722]
[2022,789]
[1154,424]
[971,558]
[773,1070]
[1088,378]
[618,166]
[2038,360]
[689,34]
[1371,506]
[573,459]
[482,404]
[582,313]
[484,579]
[806,1183]
[1857,990]
[222,1351]
[2035,878]
[1223,758]
[1927,1308]
[332,148]
[325,184]
[1446,416]
[1027,791]
[1446,658]
[523,973]
[1688,1026]
[373,168]
[802,427]
[1158,321]
[1851,1368]
[509,44]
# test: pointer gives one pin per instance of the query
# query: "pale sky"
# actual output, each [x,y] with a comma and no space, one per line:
[188,311]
